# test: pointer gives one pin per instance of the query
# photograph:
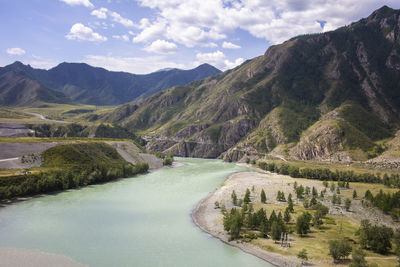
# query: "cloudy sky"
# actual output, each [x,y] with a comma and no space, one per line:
[141,36]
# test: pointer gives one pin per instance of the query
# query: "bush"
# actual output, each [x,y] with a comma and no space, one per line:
[168,161]
[339,249]
[303,223]
[376,238]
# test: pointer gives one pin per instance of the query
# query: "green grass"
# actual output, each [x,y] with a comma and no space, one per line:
[366,122]
[80,154]
[67,112]
[356,167]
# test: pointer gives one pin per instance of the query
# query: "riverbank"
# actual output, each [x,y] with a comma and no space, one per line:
[339,224]
[209,219]
[134,220]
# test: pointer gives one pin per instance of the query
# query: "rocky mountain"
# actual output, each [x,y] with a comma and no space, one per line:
[18,90]
[83,83]
[327,96]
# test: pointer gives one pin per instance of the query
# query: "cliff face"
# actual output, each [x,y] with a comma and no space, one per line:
[326,96]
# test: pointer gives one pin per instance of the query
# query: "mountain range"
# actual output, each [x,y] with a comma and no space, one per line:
[22,85]
[326,96]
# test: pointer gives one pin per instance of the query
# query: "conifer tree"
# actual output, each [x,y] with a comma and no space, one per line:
[234,198]
[263,196]
[247,197]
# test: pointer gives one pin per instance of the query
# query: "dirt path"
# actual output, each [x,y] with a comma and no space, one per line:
[41,117]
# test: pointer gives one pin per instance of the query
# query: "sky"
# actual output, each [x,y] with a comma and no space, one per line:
[142,36]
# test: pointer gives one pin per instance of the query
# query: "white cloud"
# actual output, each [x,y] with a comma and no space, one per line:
[100,13]
[217,59]
[15,51]
[43,64]
[137,65]
[196,22]
[150,32]
[85,3]
[232,64]
[161,47]
[81,32]
[211,44]
[103,13]
[121,37]
[118,18]
[229,45]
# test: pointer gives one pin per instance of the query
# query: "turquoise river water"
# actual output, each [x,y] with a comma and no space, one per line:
[139,221]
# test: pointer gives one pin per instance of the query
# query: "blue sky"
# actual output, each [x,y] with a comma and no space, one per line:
[146,35]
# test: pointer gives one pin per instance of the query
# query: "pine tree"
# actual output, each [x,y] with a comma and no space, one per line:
[251,209]
[275,231]
[263,196]
[332,187]
[247,197]
[354,194]
[347,204]
[308,190]
[313,202]
[234,198]
[286,216]
[272,217]
[290,204]
[314,192]
[279,218]
[306,204]
[303,223]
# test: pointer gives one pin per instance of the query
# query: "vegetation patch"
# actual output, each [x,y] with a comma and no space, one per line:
[70,166]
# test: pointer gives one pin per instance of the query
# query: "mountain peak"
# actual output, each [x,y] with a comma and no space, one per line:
[18,66]
[206,66]
[382,12]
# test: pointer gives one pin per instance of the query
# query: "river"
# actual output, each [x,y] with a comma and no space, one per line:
[139,221]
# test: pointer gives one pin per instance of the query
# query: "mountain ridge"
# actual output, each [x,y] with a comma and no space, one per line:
[300,81]
[85,84]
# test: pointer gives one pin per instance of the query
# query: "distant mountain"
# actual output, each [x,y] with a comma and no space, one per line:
[16,89]
[83,83]
[328,96]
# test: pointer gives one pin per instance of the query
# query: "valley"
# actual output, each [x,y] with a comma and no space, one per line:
[298,150]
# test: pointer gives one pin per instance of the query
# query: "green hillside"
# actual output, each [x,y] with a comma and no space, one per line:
[272,100]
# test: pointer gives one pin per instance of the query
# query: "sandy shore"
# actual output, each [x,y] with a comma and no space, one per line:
[34,258]
[209,219]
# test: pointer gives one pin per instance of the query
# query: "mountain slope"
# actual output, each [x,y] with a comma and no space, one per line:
[86,84]
[269,102]
[18,90]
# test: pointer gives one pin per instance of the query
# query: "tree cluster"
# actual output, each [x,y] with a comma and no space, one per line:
[321,173]
[73,177]
[374,237]
[339,249]
[235,219]
[280,196]
[387,202]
